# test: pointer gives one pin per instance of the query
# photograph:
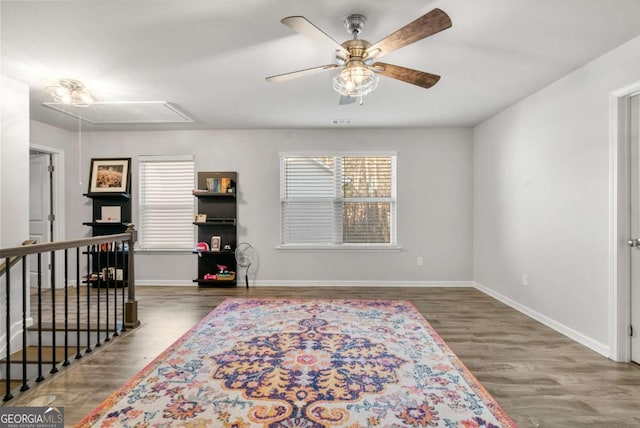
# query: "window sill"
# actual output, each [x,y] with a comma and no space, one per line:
[340,248]
[162,251]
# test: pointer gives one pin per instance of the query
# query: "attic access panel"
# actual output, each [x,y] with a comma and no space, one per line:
[124,112]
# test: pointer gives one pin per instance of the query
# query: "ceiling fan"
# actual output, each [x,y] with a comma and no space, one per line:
[356,57]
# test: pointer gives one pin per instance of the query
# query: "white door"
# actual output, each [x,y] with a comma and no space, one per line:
[634,151]
[39,210]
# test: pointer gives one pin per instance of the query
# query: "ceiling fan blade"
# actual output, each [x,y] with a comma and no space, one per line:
[301,25]
[346,100]
[300,73]
[415,77]
[427,25]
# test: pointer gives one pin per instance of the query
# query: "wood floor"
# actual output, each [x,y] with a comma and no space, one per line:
[540,377]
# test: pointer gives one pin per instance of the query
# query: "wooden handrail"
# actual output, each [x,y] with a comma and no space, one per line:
[13,260]
[130,235]
[62,245]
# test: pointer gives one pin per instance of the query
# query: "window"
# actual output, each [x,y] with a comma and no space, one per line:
[166,204]
[338,200]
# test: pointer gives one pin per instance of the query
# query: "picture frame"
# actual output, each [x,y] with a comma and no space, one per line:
[215,243]
[110,175]
[110,214]
[200,218]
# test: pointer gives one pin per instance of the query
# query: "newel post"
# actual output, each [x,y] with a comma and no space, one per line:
[131,306]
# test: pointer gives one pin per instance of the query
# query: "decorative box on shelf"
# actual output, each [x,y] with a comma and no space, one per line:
[229,276]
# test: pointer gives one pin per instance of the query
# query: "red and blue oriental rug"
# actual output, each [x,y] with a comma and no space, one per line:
[277,363]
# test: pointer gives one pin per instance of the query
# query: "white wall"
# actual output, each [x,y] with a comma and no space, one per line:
[14,161]
[434,200]
[541,195]
[14,192]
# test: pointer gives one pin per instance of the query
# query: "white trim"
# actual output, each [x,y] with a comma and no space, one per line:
[174,252]
[165,283]
[182,117]
[59,189]
[619,225]
[59,230]
[596,346]
[373,283]
[298,283]
[331,153]
[342,248]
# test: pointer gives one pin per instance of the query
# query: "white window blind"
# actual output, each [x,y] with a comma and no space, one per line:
[166,204]
[338,200]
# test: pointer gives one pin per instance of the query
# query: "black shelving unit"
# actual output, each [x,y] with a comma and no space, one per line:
[107,257]
[218,204]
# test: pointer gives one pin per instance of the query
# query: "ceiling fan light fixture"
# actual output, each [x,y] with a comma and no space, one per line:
[71,92]
[359,75]
[355,80]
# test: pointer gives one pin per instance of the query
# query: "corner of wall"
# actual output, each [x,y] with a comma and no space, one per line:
[585,340]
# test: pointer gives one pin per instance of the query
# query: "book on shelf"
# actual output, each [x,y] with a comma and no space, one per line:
[109,246]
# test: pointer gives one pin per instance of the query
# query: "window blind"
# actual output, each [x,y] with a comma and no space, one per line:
[336,199]
[166,204]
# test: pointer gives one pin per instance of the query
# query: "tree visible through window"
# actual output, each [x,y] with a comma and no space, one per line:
[367,190]
[338,200]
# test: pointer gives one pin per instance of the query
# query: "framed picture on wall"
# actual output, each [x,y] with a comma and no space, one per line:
[109,175]
[215,243]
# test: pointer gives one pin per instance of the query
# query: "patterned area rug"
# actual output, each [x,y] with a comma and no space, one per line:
[304,363]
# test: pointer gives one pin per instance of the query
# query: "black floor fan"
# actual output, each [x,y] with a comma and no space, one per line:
[246,256]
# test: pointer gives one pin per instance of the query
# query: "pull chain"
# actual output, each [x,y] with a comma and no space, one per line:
[80,149]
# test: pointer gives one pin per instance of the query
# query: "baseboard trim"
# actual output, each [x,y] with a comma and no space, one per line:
[296,283]
[408,284]
[572,334]
[164,283]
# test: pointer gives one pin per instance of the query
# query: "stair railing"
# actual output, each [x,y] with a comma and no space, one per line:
[118,251]
[13,260]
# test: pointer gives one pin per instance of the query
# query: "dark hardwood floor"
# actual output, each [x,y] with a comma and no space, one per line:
[540,377]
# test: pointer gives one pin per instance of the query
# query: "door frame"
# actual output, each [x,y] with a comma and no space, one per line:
[44,196]
[58,206]
[619,223]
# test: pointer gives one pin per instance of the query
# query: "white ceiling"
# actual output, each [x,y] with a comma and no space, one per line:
[210,58]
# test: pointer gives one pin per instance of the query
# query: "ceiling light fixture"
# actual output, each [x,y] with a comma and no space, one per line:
[71,92]
[355,80]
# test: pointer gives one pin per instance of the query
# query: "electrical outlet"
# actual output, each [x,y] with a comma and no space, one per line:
[525,279]
[420,261]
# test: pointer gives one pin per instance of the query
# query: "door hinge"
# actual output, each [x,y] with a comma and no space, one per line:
[631,330]
[51,168]
[52,217]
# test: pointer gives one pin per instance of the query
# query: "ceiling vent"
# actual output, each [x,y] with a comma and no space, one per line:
[342,122]
[124,112]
